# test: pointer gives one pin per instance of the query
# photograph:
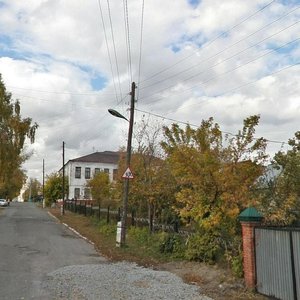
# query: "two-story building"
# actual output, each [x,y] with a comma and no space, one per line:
[81,169]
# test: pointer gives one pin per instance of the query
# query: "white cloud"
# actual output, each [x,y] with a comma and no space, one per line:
[195,64]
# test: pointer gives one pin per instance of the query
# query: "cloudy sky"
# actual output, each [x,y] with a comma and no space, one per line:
[69,61]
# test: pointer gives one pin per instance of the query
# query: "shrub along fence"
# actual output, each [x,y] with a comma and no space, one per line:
[92,208]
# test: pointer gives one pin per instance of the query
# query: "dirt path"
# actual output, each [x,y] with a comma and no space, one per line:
[214,282]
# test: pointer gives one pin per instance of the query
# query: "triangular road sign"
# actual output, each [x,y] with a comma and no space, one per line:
[128,174]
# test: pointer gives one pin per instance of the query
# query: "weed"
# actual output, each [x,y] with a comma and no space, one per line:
[172,244]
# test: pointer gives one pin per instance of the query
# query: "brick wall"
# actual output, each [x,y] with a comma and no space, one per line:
[249,253]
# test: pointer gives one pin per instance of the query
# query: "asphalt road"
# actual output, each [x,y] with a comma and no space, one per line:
[32,244]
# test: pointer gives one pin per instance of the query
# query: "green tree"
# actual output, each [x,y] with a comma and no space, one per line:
[53,188]
[100,188]
[33,191]
[280,194]
[215,178]
[13,132]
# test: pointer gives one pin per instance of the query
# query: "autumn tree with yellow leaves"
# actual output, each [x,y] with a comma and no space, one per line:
[280,194]
[215,175]
[14,130]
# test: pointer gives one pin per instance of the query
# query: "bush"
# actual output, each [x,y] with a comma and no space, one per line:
[107,229]
[234,256]
[172,244]
[203,247]
[237,266]
[140,234]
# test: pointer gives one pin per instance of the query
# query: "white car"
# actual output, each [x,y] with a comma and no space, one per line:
[3,202]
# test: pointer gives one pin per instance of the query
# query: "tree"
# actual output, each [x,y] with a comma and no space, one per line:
[214,178]
[100,188]
[13,132]
[54,187]
[280,194]
[148,195]
[33,191]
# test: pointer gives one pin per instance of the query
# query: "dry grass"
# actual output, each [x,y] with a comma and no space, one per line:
[104,243]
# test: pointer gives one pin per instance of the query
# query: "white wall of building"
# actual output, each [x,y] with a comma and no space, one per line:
[80,183]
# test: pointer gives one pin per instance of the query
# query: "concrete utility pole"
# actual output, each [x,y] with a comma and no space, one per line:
[128,159]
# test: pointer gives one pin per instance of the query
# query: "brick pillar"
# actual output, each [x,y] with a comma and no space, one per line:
[249,254]
[249,218]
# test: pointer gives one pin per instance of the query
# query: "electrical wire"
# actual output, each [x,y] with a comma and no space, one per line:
[114,47]
[107,47]
[197,126]
[210,42]
[56,92]
[222,61]
[230,46]
[127,36]
[236,88]
[141,43]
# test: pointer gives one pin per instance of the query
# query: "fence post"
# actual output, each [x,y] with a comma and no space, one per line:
[249,218]
[119,214]
[107,216]
[132,218]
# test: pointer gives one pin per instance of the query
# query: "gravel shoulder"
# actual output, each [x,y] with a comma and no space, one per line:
[118,281]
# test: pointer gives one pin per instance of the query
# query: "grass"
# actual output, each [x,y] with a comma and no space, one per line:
[140,246]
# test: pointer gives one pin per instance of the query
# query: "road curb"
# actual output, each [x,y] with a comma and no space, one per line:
[72,229]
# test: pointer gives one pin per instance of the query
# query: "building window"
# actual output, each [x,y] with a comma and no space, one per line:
[77,172]
[106,170]
[87,193]
[115,174]
[97,171]
[77,193]
[87,173]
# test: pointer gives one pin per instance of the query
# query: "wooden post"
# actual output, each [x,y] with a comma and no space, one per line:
[119,214]
[107,215]
[132,218]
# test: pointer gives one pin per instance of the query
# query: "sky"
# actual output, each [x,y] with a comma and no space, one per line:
[69,61]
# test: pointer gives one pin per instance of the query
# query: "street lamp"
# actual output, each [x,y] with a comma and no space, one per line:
[116,114]
[128,159]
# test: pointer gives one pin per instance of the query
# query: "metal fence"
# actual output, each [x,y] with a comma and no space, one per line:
[92,208]
[277,254]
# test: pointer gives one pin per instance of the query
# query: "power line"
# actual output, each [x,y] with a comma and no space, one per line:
[107,47]
[230,46]
[228,58]
[56,92]
[238,87]
[58,101]
[197,126]
[212,41]
[114,47]
[127,35]
[276,72]
[245,64]
[141,43]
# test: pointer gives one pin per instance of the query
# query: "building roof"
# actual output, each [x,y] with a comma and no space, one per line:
[108,157]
